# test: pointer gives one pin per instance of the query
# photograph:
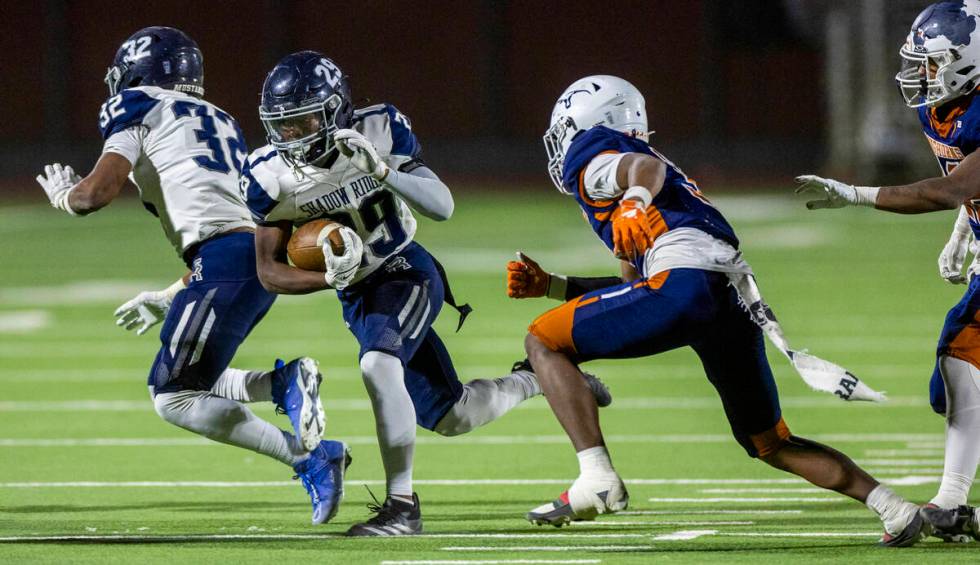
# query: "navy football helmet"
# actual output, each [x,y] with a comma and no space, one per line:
[158,56]
[305,99]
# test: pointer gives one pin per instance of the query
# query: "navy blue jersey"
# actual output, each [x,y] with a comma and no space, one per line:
[679,204]
[952,138]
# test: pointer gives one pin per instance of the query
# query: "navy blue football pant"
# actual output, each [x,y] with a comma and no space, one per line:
[392,311]
[681,307]
[211,317]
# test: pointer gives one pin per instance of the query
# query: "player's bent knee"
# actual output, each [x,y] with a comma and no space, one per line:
[454,424]
[768,444]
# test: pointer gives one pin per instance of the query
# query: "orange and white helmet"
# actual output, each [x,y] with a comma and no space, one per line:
[591,101]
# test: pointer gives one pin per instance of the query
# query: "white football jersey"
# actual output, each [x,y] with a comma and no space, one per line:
[186,155]
[275,192]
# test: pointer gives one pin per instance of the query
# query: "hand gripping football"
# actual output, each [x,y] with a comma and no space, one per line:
[305,247]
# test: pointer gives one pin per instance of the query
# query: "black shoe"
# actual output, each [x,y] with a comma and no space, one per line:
[394,518]
[599,389]
[955,525]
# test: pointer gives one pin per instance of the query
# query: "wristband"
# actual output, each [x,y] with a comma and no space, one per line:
[866,195]
[557,286]
[172,290]
[638,193]
[61,202]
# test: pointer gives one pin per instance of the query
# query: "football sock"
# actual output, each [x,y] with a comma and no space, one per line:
[485,400]
[394,419]
[962,431]
[244,386]
[895,512]
[228,421]
[594,462]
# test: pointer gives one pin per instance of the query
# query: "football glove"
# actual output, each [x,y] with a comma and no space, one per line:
[342,268]
[838,194]
[361,152]
[954,253]
[148,308]
[57,182]
[632,230]
[526,279]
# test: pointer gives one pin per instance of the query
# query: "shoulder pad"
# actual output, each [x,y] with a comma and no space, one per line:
[403,140]
[258,185]
[124,110]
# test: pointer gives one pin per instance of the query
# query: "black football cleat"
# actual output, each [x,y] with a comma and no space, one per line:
[953,525]
[599,389]
[393,518]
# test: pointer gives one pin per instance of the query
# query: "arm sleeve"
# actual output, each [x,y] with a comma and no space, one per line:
[600,177]
[128,143]
[423,191]
[577,286]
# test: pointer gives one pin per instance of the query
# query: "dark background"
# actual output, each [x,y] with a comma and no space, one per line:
[734,89]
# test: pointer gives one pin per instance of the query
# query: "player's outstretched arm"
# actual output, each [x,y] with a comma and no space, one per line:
[80,196]
[929,195]
[526,279]
[275,273]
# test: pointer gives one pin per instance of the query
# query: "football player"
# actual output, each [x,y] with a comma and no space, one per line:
[939,78]
[681,285]
[184,154]
[363,169]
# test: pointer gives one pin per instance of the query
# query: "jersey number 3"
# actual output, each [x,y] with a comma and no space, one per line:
[218,161]
[377,210]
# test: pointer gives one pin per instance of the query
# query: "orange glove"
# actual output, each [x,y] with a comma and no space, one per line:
[632,230]
[526,279]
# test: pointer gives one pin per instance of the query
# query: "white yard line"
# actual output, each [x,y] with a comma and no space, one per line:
[762,490]
[450,442]
[363,404]
[486,561]
[899,462]
[530,548]
[904,452]
[747,511]
[684,535]
[803,534]
[751,499]
[611,522]
[24,321]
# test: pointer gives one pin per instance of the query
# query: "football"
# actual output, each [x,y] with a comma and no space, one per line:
[305,247]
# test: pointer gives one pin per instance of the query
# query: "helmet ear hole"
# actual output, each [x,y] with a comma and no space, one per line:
[965,70]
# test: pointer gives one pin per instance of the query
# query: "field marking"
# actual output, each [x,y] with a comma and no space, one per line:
[24,321]
[486,561]
[669,523]
[75,293]
[899,462]
[551,548]
[910,480]
[904,452]
[802,534]
[708,512]
[438,440]
[364,405]
[751,499]
[684,535]
[808,490]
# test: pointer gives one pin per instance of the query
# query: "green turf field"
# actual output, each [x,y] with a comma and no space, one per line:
[88,469]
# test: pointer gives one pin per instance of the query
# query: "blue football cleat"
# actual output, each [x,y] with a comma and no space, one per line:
[296,392]
[322,475]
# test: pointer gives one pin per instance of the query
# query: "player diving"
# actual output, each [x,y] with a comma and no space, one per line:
[683,283]
[939,78]
[362,168]
[184,154]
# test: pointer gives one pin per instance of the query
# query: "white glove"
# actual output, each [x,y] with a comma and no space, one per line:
[954,253]
[361,152]
[342,268]
[57,182]
[837,194]
[148,308]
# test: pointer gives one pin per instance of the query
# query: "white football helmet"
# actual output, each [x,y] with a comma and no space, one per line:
[591,101]
[941,57]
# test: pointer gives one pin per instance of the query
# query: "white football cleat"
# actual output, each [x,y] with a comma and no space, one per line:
[584,500]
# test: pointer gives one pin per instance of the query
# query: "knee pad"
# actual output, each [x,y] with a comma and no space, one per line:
[377,366]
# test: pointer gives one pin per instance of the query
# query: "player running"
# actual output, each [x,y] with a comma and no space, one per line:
[939,79]
[683,284]
[362,168]
[184,154]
